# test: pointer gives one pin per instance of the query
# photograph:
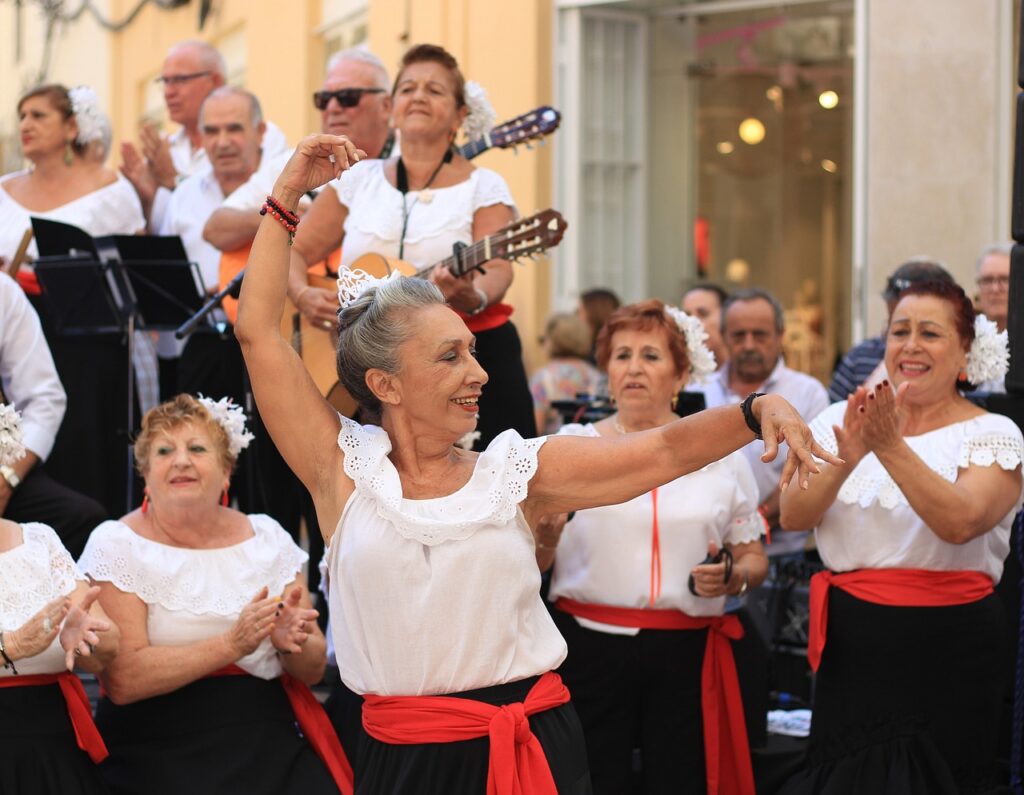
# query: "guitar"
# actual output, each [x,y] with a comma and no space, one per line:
[523,238]
[536,124]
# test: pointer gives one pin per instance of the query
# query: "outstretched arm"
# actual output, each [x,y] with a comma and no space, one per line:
[288,400]
[576,472]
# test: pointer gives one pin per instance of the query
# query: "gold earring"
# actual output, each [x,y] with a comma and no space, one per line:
[675,402]
[69,154]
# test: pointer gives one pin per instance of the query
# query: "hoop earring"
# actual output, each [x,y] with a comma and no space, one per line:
[69,154]
[224,498]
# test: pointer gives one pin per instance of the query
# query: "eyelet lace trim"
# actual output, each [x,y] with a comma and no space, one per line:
[200,581]
[985,450]
[34,573]
[491,497]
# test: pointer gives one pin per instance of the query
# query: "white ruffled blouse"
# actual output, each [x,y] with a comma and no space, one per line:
[195,594]
[376,210]
[439,595]
[871,524]
[604,555]
[33,573]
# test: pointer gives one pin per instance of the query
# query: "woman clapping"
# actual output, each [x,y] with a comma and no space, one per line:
[218,639]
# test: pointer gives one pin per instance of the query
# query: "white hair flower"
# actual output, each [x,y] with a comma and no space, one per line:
[232,419]
[11,447]
[481,116]
[702,360]
[88,116]
[353,282]
[989,357]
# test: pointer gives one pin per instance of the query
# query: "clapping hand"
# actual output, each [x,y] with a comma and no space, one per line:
[883,419]
[158,155]
[35,635]
[291,623]
[255,622]
[78,637]
[780,422]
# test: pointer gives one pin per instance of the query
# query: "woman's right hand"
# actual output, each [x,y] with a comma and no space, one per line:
[850,438]
[35,635]
[255,622]
[316,161]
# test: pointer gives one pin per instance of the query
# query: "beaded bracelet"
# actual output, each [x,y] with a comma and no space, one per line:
[288,220]
[8,662]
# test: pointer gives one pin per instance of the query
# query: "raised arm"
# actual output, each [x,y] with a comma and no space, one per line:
[319,235]
[576,472]
[302,424]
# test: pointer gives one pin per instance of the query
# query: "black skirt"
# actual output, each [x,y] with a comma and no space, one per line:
[227,734]
[641,692]
[907,700]
[38,751]
[460,768]
[505,401]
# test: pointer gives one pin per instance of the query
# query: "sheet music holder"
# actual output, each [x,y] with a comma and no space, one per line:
[56,239]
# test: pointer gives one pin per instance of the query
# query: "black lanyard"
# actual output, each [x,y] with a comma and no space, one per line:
[402,183]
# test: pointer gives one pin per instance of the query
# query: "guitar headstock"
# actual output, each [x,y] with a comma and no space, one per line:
[529,236]
[538,123]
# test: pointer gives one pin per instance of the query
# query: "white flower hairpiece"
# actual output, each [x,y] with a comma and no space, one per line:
[481,116]
[232,419]
[989,357]
[11,448]
[702,360]
[88,116]
[353,282]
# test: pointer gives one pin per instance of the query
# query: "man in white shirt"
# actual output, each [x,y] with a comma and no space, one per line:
[992,275]
[752,327]
[190,72]
[29,381]
[355,101]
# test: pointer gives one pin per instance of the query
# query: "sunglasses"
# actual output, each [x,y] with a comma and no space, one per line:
[177,80]
[347,97]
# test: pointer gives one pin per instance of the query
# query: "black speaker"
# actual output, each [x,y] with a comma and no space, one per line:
[1015,319]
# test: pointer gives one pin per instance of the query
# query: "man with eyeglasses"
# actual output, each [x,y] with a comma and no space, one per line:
[862,363]
[992,276]
[190,72]
[355,101]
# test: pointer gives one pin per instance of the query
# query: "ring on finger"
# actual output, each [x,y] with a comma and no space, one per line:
[78,652]
[47,624]
[332,158]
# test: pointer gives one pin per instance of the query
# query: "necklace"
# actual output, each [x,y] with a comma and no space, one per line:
[618,425]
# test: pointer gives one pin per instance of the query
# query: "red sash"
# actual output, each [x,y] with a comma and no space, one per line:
[493,316]
[315,725]
[79,709]
[726,750]
[517,765]
[896,587]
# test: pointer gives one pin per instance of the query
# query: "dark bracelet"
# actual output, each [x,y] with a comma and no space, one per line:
[8,662]
[748,413]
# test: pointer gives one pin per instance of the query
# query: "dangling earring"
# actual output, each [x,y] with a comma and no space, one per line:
[69,154]
[675,401]
[145,503]
[224,497]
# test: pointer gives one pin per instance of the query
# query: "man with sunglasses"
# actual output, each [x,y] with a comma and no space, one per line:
[355,101]
[861,363]
[191,71]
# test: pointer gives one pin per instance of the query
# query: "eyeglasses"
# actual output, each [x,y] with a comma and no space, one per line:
[994,282]
[177,80]
[347,97]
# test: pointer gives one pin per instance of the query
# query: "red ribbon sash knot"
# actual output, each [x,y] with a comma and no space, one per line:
[516,764]
[79,710]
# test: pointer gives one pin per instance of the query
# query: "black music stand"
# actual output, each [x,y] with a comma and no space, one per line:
[102,293]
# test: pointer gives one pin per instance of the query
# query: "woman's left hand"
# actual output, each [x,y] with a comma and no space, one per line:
[780,422]
[292,623]
[709,578]
[883,420]
[78,637]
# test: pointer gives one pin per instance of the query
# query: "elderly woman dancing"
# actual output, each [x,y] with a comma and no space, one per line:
[219,641]
[649,648]
[435,602]
[49,625]
[914,528]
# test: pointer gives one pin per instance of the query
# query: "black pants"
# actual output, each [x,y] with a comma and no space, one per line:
[40,498]
[638,691]
[506,401]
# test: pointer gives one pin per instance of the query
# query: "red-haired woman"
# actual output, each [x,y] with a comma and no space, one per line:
[914,529]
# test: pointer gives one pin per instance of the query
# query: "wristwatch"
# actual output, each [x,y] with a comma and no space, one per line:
[10,476]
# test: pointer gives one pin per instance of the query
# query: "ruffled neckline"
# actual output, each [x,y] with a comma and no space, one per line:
[491,496]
